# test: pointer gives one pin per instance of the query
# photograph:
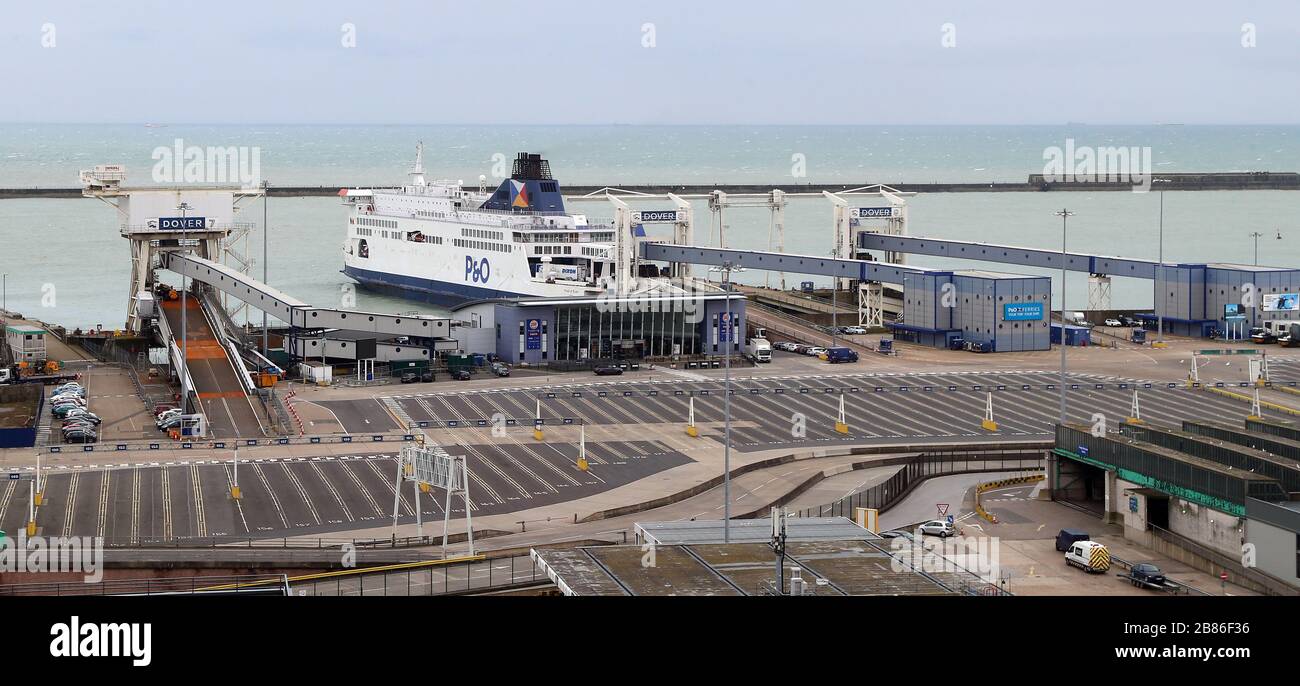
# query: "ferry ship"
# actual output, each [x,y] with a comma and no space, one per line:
[439,242]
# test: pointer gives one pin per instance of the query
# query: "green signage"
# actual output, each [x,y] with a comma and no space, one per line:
[1236,509]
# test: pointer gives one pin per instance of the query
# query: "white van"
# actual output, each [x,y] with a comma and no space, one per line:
[1090,556]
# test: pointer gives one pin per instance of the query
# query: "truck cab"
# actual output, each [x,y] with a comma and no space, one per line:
[758,349]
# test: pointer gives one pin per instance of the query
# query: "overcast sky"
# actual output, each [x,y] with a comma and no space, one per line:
[710,62]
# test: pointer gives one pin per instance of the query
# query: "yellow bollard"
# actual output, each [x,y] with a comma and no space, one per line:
[31,528]
[424,488]
[236,493]
[841,427]
[582,463]
[989,425]
[39,498]
[692,431]
[538,435]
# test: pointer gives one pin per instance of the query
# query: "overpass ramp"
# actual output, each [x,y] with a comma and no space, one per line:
[220,395]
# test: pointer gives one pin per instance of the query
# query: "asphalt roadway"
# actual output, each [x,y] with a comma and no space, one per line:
[144,502]
[770,412]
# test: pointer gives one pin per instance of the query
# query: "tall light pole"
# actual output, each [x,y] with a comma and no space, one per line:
[266,190]
[835,304]
[1064,214]
[726,268]
[1160,265]
[185,391]
[1256,235]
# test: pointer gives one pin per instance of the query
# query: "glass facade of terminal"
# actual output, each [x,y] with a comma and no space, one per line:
[585,332]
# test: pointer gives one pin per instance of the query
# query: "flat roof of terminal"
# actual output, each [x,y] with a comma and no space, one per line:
[987,274]
[848,567]
[1201,462]
[1248,267]
[24,329]
[750,530]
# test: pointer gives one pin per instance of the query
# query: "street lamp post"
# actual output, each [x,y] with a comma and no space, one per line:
[266,189]
[1064,214]
[1160,265]
[185,391]
[726,269]
[1256,235]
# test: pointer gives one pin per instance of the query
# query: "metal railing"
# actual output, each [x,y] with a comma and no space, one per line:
[929,464]
[273,584]
[434,579]
[284,543]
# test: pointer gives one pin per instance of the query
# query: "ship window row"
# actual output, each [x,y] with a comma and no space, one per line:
[552,250]
[378,223]
[593,252]
[482,233]
[420,237]
[480,245]
[430,214]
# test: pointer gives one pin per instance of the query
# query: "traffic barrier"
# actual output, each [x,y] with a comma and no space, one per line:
[1246,398]
[994,485]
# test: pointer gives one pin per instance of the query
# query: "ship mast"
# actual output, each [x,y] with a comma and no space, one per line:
[417,170]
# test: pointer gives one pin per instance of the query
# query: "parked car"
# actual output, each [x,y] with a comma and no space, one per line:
[855,330]
[840,354]
[409,377]
[938,527]
[815,351]
[1261,335]
[426,376]
[1114,322]
[1128,320]
[1146,574]
[81,437]
[62,411]
[608,370]
[159,409]
[500,369]
[86,415]
[461,374]
[170,423]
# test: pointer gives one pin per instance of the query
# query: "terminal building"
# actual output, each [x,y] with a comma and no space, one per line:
[665,322]
[1000,312]
[1216,496]
[1196,298]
